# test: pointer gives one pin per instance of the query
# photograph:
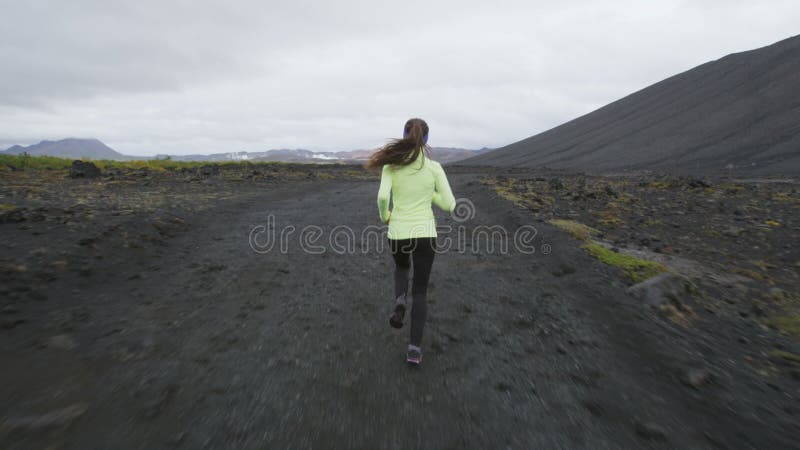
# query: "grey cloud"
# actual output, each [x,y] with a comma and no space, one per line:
[196,76]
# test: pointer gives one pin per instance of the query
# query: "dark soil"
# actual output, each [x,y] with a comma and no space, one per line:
[136,314]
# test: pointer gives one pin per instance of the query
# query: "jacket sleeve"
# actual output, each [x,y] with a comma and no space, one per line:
[443,196]
[384,192]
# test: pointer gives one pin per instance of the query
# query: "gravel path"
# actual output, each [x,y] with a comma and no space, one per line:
[204,343]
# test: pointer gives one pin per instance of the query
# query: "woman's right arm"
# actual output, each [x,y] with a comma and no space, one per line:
[384,192]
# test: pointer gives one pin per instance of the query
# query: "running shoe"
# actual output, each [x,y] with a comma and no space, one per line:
[396,320]
[414,355]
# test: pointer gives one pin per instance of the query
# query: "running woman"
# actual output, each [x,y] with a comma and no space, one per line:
[413,182]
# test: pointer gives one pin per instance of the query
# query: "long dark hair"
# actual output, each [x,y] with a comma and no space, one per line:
[404,151]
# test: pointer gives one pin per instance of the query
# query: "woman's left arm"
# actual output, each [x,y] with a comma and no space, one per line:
[443,196]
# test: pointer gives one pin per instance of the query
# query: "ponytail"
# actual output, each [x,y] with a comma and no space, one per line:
[403,151]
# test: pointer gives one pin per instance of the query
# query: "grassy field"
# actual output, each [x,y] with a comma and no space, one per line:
[27,162]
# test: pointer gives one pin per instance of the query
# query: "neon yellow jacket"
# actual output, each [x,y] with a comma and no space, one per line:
[413,188]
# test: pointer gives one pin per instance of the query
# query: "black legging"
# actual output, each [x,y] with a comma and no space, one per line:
[421,251]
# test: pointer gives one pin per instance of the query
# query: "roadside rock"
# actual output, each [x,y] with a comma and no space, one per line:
[83,169]
[662,288]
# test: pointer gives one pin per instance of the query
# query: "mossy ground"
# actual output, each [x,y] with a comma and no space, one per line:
[636,269]
[576,229]
[787,356]
[789,324]
[738,228]
[27,162]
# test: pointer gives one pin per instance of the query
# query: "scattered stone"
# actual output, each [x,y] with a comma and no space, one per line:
[662,288]
[208,268]
[698,183]
[208,170]
[9,268]
[62,342]
[650,430]
[556,184]
[59,418]
[758,311]
[503,386]
[563,269]
[168,228]
[177,438]
[12,323]
[10,309]
[86,241]
[452,337]
[778,294]
[14,215]
[732,231]
[428,398]
[83,169]
[595,408]
[696,377]
[39,296]
[156,406]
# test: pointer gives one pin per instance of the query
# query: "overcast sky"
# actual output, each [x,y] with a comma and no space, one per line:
[195,76]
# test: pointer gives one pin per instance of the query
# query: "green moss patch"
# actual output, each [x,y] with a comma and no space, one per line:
[636,269]
[577,229]
[787,324]
[521,193]
[788,356]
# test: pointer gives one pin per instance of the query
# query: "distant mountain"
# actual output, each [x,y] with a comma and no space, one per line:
[69,148]
[740,112]
[94,149]
[441,154]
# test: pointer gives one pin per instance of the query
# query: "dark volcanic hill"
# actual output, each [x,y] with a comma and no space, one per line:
[69,148]
[741,111]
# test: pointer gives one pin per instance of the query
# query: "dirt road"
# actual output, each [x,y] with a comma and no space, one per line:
[199,341]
